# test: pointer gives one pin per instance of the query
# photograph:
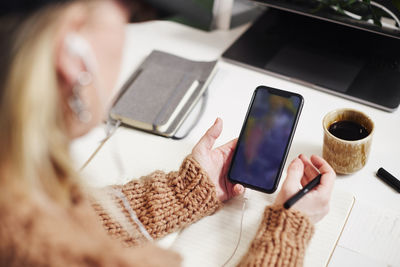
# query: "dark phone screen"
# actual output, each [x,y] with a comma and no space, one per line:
[261,148]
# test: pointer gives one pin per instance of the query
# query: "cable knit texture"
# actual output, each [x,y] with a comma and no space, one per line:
[281,239]
[37,233]
[165,203]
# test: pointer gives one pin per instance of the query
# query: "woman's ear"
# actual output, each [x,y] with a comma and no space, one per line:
[68,66]
[69,51]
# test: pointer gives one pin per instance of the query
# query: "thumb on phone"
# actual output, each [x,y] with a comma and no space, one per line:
[295,172]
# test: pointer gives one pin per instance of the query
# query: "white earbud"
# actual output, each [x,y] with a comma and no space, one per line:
[78,46]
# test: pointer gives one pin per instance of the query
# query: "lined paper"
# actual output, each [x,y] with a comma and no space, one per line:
[374,231]
[212,240]
[329,229]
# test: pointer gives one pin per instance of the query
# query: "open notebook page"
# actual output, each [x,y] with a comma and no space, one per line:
[211,241]
[374,231]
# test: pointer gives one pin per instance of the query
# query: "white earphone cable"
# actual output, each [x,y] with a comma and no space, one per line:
[245,199]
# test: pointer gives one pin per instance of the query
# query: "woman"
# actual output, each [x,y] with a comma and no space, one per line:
[59,60]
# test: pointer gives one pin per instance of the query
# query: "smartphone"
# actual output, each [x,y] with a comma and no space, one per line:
[265,139]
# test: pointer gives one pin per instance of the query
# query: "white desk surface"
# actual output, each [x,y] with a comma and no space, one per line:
[131,154]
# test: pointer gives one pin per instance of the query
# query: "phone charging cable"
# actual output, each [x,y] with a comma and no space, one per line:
[244,202]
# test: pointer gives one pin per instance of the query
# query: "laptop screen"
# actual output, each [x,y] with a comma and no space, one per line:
[379,16]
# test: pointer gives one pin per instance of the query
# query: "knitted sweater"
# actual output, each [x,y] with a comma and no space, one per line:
[38,233]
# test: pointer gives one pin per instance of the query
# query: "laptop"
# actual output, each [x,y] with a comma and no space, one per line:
[361,65]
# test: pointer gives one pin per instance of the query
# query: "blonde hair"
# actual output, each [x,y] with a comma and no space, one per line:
[34,147]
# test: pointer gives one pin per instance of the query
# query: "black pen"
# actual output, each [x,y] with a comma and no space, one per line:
[389,179]
[314,182]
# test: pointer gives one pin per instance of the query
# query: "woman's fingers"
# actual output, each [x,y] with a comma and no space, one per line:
[294,174]
[321,164]
[310,172]
[228,148]
[316,203]
[230,190]
[328,174]
[206,142]
[238,189]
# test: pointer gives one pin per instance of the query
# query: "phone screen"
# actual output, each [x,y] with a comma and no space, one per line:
[265,138]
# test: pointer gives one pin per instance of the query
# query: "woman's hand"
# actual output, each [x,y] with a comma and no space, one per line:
[216,161]
[301,171]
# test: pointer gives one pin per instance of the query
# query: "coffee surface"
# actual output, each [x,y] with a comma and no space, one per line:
[348,130]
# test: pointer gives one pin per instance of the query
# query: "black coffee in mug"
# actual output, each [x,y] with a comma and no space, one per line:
[348,130]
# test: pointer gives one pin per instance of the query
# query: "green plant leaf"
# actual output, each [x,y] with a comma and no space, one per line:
[340,10]
[350,2]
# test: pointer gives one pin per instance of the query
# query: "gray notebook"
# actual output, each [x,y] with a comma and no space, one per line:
[161,93]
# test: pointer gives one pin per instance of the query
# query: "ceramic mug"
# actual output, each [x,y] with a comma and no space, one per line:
[346,156]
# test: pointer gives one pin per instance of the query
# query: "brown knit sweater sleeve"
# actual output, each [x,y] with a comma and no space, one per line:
[38,233]
[281,239]
[165,202]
